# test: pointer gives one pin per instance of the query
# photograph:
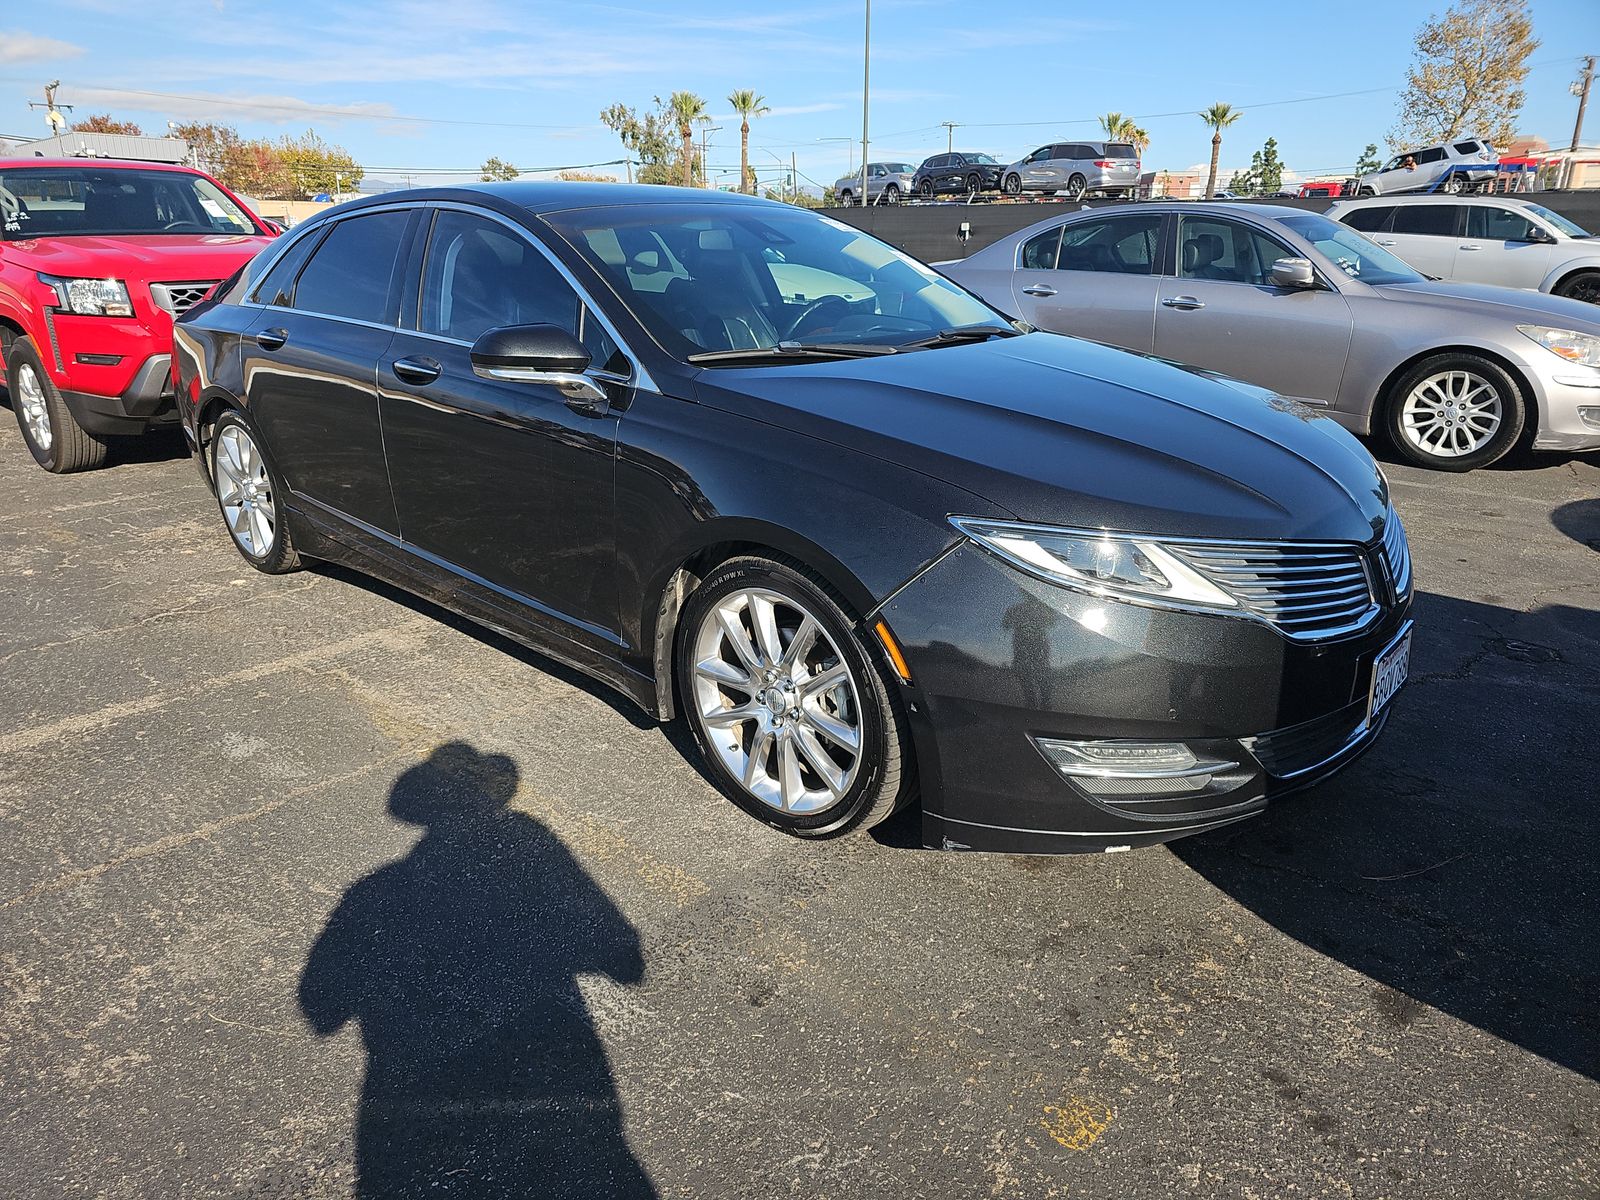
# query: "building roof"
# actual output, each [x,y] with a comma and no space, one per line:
[79,145]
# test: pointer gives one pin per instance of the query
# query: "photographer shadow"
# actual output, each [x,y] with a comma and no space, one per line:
[459,964]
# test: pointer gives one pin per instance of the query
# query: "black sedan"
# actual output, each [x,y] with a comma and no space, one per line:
[875,543]
[964,172]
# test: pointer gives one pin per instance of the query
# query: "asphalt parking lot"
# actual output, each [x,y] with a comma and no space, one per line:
[309,889]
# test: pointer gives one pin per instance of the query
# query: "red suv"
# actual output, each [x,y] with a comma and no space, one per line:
[96,260]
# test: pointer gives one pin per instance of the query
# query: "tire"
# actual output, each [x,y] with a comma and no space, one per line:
[1012,185]
[974,184]
[1581,285]
[247,487]
[1076,186]
[1429,425]
[925,189]
[721,668]
[847,199]
[1364,192]
[53,436]
[1453,186]
[891,194]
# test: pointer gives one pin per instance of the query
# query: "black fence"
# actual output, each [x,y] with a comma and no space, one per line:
[938,232]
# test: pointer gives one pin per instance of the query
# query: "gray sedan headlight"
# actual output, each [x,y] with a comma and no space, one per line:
[1098,563]
[1583,349]
[91,297]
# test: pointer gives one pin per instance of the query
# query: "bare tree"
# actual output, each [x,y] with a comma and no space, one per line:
[1467,75]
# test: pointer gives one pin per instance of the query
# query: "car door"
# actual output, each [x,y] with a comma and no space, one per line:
[310,361]
[1426,235]
[1221,311]
[1504,247]
[1093,278]
[500,480]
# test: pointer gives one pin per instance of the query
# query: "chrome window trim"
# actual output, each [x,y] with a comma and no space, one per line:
[640,377]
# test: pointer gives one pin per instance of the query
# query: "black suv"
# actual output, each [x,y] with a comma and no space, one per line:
[958,172]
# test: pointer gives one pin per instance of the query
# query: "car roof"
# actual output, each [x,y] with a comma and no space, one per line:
[1432,198]
[116,164]
[550,196]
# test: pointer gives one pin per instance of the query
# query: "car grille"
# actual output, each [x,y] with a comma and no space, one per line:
[179,298]
[1285,753]
[1397,552]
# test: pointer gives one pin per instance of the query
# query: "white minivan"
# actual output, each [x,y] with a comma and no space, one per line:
[1503,240]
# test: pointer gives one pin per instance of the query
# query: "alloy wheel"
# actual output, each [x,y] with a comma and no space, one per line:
[35,409]
[245,492]
[1451,414]
[777,701]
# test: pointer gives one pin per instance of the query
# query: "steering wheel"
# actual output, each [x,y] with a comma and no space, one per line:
[177,226]
[820,304]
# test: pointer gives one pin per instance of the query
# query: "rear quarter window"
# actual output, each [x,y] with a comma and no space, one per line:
[1369,220]
[1120,150]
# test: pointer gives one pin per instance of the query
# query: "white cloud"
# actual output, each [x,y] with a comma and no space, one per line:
[230,108]
[29,47]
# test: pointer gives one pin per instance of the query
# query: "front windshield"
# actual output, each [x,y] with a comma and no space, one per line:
[1352,252]
[900,168]
[1556,221]
[88,200]
[704,278]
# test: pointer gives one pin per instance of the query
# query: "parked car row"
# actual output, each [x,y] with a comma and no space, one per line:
[875,540]
[1069,169]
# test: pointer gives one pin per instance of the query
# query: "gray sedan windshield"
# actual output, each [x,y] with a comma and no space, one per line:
[1351,252]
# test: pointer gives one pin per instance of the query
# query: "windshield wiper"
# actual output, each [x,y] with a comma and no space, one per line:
[788,350]
[962,333]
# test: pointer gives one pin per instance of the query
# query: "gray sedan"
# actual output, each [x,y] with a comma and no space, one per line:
[1313,310]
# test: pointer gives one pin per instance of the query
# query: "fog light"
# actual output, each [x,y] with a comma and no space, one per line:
[1590,417]
[1148,770]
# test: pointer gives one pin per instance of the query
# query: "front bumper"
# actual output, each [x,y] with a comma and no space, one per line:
[998,658]
[115,373]
[148,400]
[1569,409]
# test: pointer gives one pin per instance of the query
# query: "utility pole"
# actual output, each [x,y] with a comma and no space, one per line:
[705,133]
[866,78]
[949,135]
[1581,88]
[56,122]
[794,180]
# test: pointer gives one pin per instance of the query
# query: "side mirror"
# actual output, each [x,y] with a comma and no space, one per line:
[1294,273]
[542,354]
[1540,237]
[273,227]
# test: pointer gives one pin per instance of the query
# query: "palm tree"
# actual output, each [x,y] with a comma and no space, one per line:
[1116,126]
[687,108]
[1218,117]
[747,104]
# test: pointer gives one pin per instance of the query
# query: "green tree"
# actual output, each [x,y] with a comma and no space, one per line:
[496,170]
[747,104]
[318,166]
[1267,168]
[1369,160]
[647,137]
[1467,73]
[1217,118]
[687,110]
[105,123]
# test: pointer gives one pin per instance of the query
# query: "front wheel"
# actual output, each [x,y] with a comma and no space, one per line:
[1585,285]
[250,497]
[925,189]
[1012,185]
[891,194]
[794,717]
[1455,412]
[974,184]
[846,199]
[53,436]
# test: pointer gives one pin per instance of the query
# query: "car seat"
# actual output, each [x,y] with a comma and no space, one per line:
[1200,254]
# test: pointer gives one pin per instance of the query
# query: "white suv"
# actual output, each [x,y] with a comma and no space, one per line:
[1482,239]
[1419,170]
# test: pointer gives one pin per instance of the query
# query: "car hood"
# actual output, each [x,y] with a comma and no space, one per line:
[163,256]
[1481,300]
[1061,431]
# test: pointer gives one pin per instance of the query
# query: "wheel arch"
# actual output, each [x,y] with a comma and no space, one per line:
[1566,273]
[213,402]
[716,542]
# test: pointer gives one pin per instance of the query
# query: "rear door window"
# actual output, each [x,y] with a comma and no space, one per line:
[1369,220]
[1116,245]
[1432,155]
[1433,220]
[349,275]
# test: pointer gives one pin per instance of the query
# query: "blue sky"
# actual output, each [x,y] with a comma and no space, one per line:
[525,81]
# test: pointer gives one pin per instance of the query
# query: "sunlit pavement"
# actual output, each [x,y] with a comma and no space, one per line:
[308,890]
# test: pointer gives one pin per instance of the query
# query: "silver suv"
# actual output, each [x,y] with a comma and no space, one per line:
[1482,239]
[1420,170]
[1074,169]
[887,183]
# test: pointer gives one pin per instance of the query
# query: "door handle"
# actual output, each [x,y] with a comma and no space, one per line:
[272,339]
[1384,241]
[1187,303]
[1469,246]
[1039,289]
[416,370]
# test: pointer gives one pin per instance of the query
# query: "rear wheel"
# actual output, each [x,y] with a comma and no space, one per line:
[55,439]
[1585,285]
[1453,186]
[249,496]
[1076,187]
[1012,185]
[1455,412]
[793,715]
[925,189]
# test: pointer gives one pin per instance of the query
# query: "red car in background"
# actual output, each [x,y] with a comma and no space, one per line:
[96,260]
[1322,188]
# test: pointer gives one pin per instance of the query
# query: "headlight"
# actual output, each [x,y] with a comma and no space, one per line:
[1101,564]
[1575,347]
[91,297]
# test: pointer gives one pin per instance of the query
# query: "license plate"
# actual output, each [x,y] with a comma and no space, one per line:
[1389,672]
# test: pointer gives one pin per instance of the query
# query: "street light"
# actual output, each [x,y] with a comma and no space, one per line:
[850,145]
[776,159]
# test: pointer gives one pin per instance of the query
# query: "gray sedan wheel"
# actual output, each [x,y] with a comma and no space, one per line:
[794,717]
[1455,412]
[248,495]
